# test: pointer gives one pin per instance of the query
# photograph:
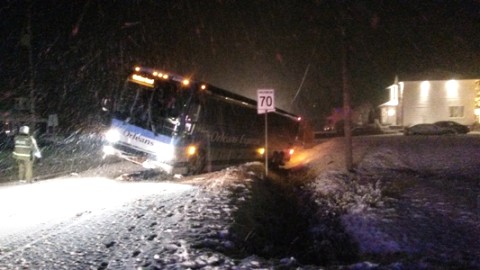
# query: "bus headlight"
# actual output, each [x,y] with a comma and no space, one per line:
[191,150]
[112,136]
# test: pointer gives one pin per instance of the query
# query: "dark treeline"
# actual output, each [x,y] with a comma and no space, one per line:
[82,51]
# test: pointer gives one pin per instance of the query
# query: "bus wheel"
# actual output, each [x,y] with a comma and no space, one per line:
[277,159]
[196,163]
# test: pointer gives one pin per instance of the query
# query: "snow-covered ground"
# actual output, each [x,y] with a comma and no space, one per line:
[411,199]
[411,203]
[122,225]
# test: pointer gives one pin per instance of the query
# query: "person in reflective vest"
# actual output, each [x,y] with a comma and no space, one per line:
[25,152]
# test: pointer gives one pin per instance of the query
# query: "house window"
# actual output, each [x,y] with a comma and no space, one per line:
[455,111]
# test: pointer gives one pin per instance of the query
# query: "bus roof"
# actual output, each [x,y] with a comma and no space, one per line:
[160,75]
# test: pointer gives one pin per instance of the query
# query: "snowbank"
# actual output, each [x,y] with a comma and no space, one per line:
[399,194]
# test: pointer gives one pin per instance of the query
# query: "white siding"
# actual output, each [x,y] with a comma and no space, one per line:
[427,106]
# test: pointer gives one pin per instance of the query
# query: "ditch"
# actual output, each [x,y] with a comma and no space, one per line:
[280,220]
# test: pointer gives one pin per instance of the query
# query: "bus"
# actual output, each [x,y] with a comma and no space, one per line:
[166,121]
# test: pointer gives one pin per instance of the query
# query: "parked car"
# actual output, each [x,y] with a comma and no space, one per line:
[459,128]
[365,130]
[428,129]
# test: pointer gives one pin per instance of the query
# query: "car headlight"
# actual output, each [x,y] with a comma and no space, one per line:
[112,136]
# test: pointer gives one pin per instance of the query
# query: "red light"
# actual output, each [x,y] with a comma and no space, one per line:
[299,118]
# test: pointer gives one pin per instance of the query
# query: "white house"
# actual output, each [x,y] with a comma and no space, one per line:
[414,102]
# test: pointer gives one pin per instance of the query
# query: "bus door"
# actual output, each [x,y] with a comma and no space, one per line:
[191,117]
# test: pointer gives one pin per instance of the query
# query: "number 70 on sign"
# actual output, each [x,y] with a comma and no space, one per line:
[265,100]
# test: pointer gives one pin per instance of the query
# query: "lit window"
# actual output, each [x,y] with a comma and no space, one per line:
[477,111]
[391,112]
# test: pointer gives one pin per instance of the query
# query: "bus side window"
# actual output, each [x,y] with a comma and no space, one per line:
[192,117]
[194,112]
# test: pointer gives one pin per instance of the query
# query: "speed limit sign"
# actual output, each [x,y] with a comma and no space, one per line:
[265,100]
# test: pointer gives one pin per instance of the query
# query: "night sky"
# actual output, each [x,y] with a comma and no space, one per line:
[83,50]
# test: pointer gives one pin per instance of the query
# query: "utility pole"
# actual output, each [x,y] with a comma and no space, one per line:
[347,115]
[27,41]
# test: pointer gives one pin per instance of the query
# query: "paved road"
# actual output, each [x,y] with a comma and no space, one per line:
[73,222]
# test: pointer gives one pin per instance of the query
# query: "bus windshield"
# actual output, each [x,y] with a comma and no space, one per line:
[159,109]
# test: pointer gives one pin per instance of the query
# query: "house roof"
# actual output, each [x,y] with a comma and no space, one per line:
[433,75]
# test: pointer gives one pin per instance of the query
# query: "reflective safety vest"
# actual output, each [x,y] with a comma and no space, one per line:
[24,147]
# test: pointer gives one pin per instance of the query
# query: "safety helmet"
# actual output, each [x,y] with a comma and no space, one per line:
[24,130]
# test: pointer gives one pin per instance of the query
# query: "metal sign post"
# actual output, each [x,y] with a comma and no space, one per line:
[266,144]
[266,104]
